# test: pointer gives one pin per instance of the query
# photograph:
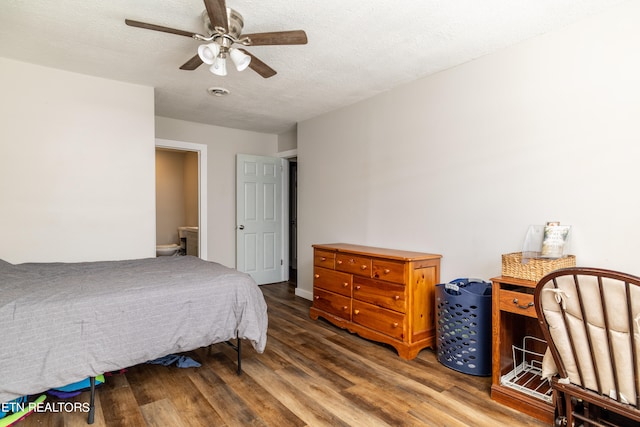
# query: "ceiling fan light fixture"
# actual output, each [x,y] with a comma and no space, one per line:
[208,52]
[240,59]
[222,30]
[219,67]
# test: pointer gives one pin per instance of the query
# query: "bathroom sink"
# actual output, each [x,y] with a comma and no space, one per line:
[183,230]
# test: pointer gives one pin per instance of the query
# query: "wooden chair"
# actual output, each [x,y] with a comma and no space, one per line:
[591,321]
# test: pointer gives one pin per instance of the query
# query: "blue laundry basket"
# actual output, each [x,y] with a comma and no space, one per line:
[463,333]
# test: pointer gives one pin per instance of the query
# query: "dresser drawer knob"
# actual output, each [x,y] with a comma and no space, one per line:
[345,284]
[524,307]
[363,267]
[323,258]
[396,297]
[358,287]
[387,271]
[394,324]
[344,308]
[339,261]
[356,311]
[316,275]
[316,298]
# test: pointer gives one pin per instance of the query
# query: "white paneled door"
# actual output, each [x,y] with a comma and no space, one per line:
[259,217]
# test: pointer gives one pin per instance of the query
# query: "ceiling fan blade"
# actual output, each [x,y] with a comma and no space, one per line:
[260,67]
[277,37]
[192,64]
[217,11]
[154,27]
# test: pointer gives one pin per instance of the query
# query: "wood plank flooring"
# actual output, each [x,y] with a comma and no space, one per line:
[311,374]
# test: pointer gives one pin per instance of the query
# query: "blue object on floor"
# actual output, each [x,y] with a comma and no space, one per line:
[74,389]
[463,319]
[180,361]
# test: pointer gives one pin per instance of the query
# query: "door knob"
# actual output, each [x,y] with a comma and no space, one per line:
[241,227]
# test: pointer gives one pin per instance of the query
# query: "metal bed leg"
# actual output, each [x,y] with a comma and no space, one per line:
[92,406]
[239,356]
[237,347]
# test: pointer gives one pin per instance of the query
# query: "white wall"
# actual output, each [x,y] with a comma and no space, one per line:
[462,162]
[222,146]
[288,140]
[76,166]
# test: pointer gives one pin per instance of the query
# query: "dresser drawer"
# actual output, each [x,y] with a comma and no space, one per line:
[390,271]
[383,294]
[335,304]
[324,259]
[354,264]
[379,319]
[517,302]
[331,280]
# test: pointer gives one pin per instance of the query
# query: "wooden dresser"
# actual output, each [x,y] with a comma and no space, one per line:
[384,295]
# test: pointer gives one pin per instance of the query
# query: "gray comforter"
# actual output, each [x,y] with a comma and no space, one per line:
[63,322]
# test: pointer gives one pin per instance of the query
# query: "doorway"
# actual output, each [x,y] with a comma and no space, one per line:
[266,217]
[199,216]
[293,220]
[261,218]
[177,199]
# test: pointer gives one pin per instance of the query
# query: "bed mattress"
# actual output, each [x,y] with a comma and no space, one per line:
[63,322]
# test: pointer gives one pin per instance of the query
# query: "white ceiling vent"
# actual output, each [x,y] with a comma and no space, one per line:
[218,91]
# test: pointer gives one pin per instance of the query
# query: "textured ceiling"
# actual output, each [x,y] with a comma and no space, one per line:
[356,48]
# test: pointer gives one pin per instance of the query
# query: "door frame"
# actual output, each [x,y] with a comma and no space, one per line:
[286,248]
[201,149]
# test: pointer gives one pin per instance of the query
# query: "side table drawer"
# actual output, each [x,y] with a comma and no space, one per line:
[335,304]
[517,302]
[331,280]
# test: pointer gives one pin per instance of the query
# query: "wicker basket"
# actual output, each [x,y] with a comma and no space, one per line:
[536,268]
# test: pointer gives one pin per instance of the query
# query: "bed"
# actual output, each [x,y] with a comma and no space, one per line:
[63,322]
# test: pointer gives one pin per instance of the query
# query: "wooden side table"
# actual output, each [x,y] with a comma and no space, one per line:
[517,346]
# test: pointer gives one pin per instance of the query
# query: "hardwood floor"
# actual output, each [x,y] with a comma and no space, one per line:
[311,374]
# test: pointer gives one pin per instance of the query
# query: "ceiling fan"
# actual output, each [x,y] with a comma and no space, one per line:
[224,28]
